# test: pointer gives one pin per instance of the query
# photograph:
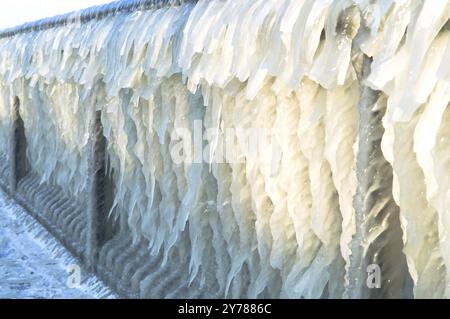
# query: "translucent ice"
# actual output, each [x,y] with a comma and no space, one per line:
[182,88]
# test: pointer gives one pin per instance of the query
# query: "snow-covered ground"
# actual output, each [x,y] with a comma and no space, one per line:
[34,265]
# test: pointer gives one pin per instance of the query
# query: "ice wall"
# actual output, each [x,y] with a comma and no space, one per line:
[4,119]
[350,163]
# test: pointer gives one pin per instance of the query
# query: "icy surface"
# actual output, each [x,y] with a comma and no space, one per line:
[33,264]
[279,221]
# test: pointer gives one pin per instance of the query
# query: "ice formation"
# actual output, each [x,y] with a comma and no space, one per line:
[295,216]
[32,259]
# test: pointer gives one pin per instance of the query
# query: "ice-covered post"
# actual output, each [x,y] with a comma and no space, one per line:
[18,146]
[97,204]
[377,243]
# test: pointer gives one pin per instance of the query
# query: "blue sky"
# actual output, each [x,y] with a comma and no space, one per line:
[15,12]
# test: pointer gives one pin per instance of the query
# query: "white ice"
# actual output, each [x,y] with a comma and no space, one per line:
[255,227]
[34,265]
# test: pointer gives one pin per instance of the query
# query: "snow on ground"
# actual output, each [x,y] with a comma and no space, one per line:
[33,264]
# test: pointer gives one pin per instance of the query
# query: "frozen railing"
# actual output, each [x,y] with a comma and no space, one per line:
[88,14]
[266,148]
